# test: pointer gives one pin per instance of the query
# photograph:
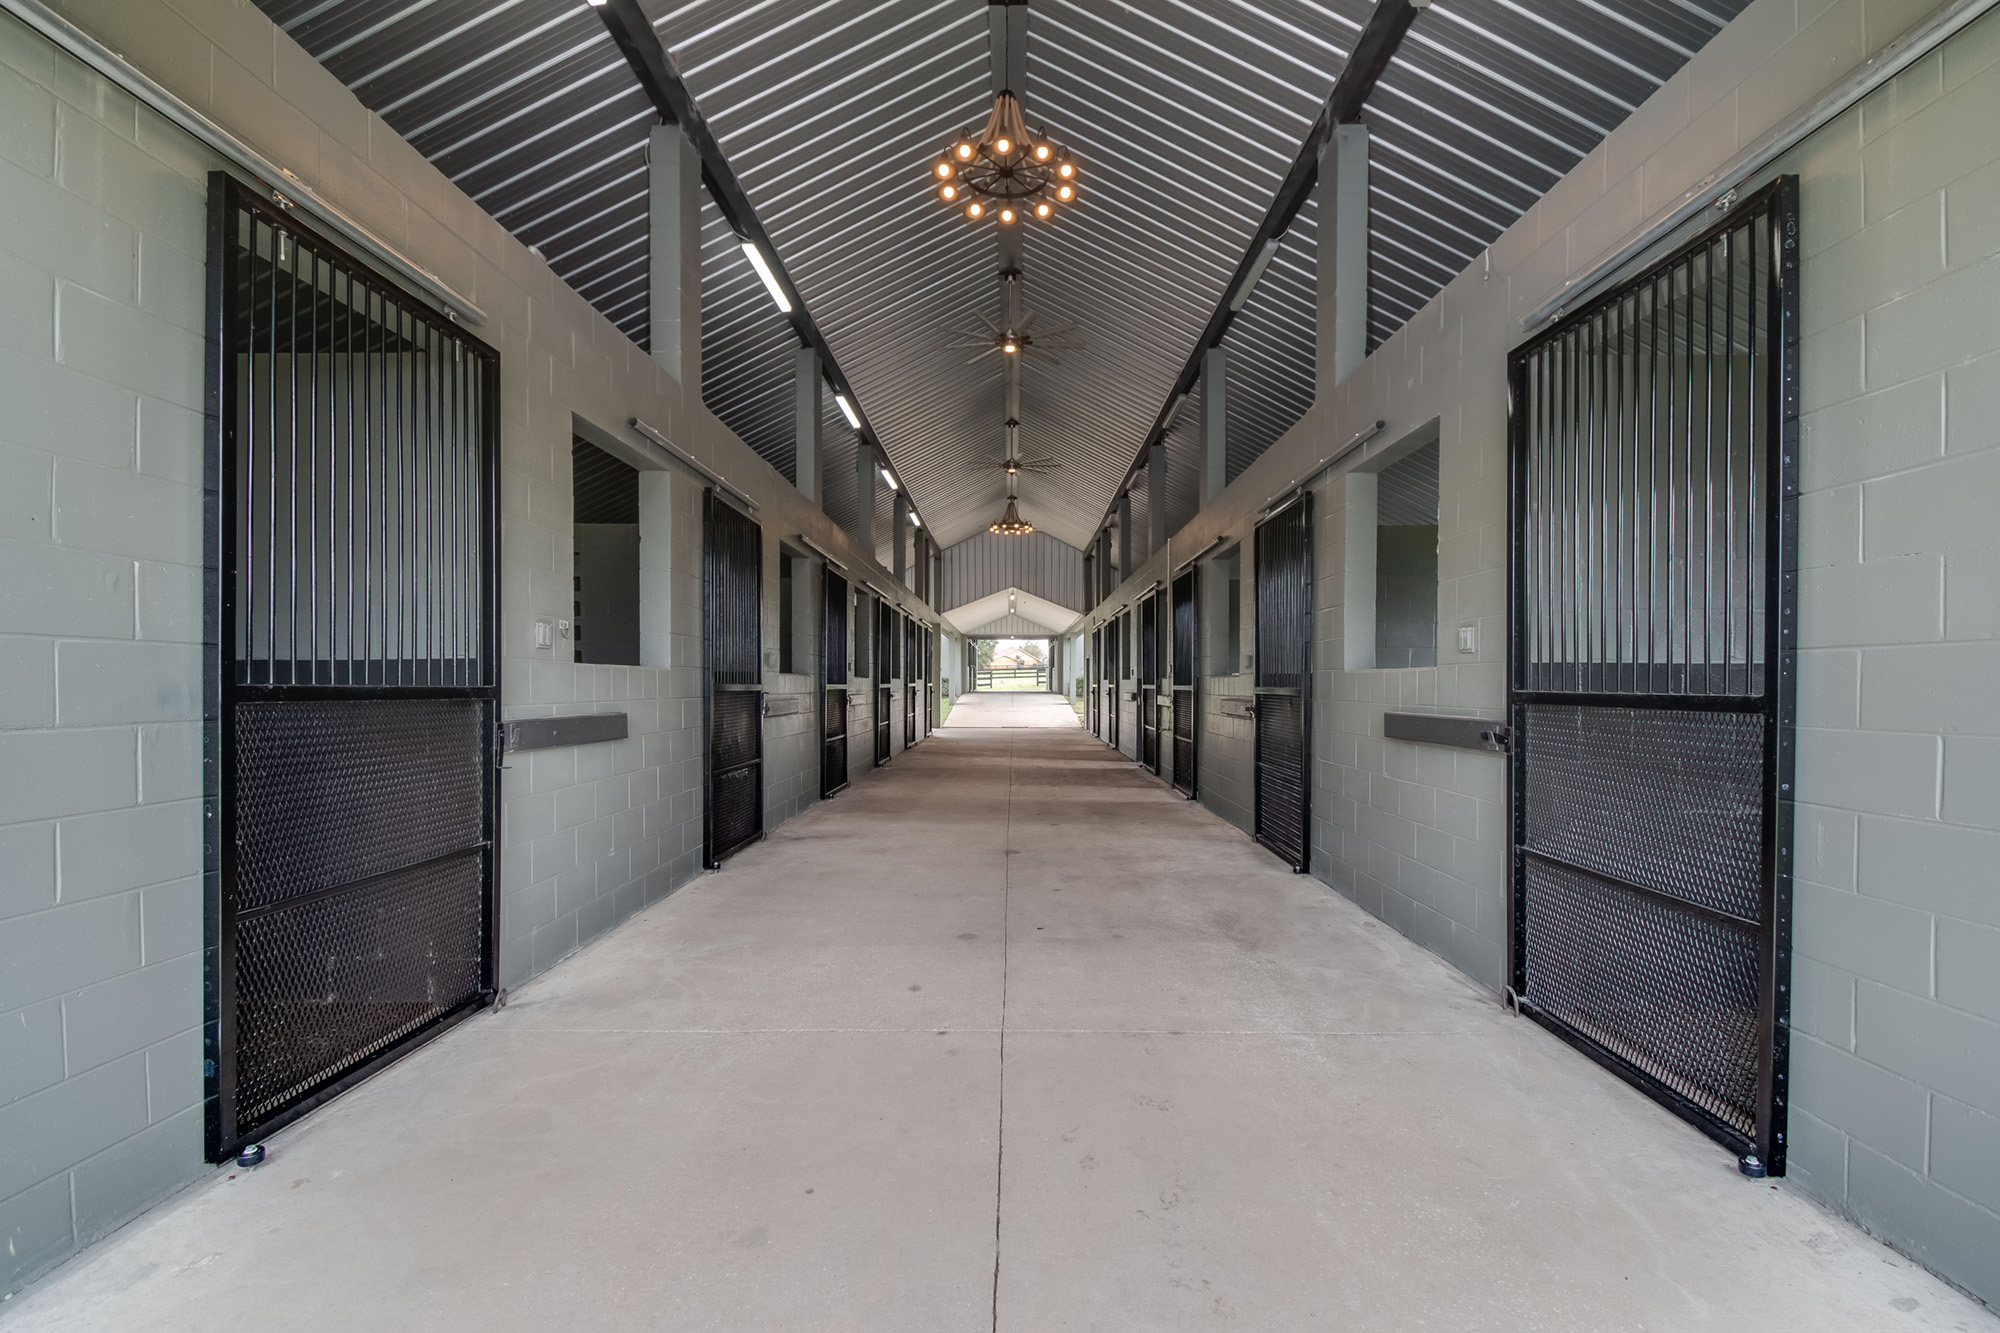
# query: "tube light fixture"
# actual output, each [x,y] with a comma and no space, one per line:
[757,261]
[847,410]
[886,477]
[1257,267]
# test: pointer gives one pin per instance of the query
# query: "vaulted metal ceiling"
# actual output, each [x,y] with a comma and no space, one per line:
[1186,116]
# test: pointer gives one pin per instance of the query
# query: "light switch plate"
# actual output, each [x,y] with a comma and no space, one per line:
[1468,639]
[545,634]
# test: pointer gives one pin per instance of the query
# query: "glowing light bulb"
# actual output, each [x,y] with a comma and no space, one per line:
[973,209]
[1010,347]
[1041,210]
[948,192]
[1066,170]
[1003,147]
[1041,152]
[1006,215]
[964,150]
[1065,193]
[943,170]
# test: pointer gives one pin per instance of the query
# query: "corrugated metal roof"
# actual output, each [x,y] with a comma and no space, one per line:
[1184,115]
[984,564]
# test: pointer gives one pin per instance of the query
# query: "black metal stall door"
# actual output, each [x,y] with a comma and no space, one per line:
[352,681]
[1114,672]
[1093,689]
[885,667]
[1186,675]
[833,677]
[913,686]
[733,644]
[1652,589]
[1149,682]
[1284,682]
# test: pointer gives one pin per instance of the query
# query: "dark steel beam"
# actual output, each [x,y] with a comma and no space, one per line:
[654,68]
[1381,37]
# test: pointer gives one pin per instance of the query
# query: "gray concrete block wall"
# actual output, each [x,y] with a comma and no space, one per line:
[1896,1099]
[101,261]
[102,247]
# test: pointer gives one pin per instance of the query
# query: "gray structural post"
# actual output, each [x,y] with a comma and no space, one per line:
[1343,265]
[673,172]
[899,539]
[1214,423]
[1156,496]
[1124,534]
[864,497]
[809,461]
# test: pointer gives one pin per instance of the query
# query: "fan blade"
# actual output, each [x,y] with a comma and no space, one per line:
[991,351]
[1027,321]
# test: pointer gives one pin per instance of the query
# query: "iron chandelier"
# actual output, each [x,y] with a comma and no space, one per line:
[1005,169]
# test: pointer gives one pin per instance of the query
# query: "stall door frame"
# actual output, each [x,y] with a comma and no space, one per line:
[404,668]
[733,668]
[885,693]
[1149,682]
[835,680]
[1595,682]
[1283,684]
[1186,656]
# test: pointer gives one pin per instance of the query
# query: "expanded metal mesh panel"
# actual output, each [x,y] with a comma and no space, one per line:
[359,426]
[833,716]
[885,704]
[832,629]
[1646,431]
[1669,799]
[1673,993]
[323,984]
[333,791]
[1281,775]
[736,732]
[833,765]
[737,813]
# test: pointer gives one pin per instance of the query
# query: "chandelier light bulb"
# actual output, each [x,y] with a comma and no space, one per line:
[964,150]
[948,192]
[1006,215]
[1041,210]
[1066,170]
[943,170]
[1041,152]
[1003,147]
[1065,193]
[974,209]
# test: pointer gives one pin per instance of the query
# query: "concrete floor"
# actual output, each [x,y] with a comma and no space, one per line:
[1005,1037]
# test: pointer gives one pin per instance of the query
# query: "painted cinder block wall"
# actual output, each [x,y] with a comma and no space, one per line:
[1895,1112]
[102,244]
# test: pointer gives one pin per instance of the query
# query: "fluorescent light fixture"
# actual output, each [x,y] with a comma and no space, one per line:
[915,521]
[847,410]
[756,258]
[886,477]
[1263,260]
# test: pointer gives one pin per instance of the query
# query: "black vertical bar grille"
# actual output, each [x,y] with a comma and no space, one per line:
[1651,673]
[912,680]
[1091,686]
[833,679]
[1283,689]
[352,678]
[733,679]
[1186,680]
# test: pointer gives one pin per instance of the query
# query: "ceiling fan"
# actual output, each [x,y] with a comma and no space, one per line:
[998,339]
[1009,462]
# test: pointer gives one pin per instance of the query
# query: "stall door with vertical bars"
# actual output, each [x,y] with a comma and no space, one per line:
[1114,672]
[1187,676]
[833,682]
[353,677]
[913,686]
[1284,682]
[885,667]
[1654,442]
[733,616]
[1093,689]
[1149,682]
